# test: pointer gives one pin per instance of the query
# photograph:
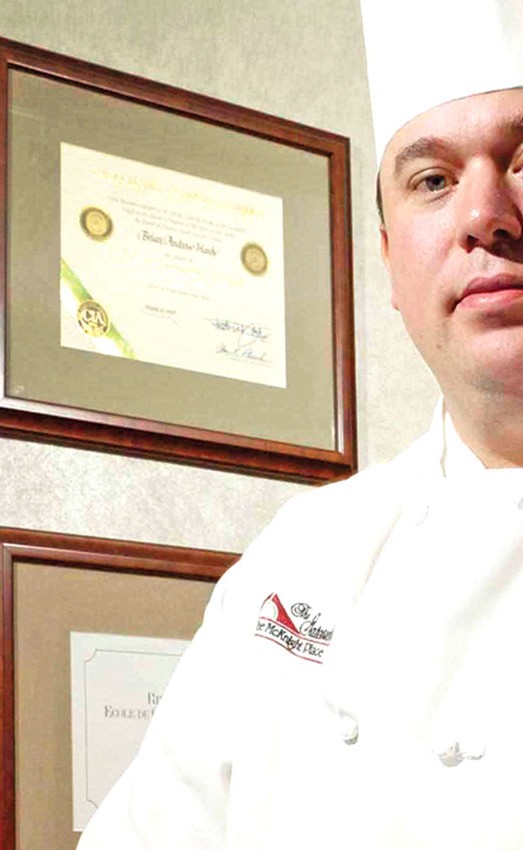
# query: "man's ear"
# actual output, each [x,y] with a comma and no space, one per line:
[384,240]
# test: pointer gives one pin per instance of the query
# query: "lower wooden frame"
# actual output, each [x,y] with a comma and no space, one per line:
[18,546]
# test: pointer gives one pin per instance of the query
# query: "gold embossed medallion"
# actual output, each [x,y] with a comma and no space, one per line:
[93,319]
[96,223]
[254,258]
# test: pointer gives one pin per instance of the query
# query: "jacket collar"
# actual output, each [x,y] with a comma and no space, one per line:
[456,458]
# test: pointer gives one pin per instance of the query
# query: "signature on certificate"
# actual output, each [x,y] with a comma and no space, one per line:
[242,340]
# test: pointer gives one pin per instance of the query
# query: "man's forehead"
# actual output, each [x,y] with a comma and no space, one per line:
[436,132]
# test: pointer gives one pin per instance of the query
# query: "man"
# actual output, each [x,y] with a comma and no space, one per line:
[452,202]
[357,682]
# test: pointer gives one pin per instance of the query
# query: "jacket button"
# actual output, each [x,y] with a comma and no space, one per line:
[454,755]
[349,729]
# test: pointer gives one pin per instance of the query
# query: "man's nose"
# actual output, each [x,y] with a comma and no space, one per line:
[488,210]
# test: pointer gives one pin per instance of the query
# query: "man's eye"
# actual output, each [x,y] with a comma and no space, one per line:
[434,182]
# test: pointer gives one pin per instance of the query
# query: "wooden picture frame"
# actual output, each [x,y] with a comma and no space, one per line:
[33,644]
[302,429]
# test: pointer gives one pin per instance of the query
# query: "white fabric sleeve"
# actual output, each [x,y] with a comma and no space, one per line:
[175,795]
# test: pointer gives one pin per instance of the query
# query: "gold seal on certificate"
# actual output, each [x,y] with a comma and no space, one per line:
[254,258]
[93,319]
[96,223]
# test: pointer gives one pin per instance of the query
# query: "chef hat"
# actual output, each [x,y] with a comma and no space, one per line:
[421,54]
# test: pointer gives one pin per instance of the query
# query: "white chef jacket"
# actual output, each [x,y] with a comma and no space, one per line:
[356,683]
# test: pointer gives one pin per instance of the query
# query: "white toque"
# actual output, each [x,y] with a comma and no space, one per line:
[421,54]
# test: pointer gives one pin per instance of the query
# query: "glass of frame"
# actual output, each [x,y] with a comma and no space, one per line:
[177,274]
[52,585]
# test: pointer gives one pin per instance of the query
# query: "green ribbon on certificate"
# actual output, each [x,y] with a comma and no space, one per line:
[103,336]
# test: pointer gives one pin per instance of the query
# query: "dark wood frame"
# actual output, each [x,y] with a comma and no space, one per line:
[80,553]
[88,429]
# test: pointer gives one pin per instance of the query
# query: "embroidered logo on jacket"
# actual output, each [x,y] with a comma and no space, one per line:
[299,630]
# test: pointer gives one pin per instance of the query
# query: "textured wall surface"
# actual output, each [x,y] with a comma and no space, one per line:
[301,60]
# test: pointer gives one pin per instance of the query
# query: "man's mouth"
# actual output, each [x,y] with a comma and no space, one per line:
[496,292]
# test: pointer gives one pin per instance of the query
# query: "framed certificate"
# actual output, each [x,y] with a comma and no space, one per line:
[176,274]
[90,630]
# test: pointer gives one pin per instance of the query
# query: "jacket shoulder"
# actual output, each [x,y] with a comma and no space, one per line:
[327,536]
[388,481]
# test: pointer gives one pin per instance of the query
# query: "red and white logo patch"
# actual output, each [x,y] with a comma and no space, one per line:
[299,630]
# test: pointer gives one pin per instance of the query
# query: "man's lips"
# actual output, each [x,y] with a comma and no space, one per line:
[491,292]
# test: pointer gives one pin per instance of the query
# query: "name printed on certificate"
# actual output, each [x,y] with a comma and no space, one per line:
[171,269]
[116,684]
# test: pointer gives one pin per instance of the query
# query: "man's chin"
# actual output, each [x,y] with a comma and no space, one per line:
[489,361]
[500,380]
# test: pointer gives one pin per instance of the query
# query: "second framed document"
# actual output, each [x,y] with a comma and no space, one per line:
[90,632]
[177,276]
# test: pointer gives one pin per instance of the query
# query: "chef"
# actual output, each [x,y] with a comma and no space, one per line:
[358,680]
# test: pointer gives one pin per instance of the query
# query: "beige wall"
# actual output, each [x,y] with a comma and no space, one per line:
[302,60]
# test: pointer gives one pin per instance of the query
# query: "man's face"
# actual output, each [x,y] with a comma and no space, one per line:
[452,188]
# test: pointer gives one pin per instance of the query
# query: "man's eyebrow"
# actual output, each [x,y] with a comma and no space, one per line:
[426,146]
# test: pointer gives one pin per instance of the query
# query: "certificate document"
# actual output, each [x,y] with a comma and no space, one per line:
[171,269]
[116,683]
